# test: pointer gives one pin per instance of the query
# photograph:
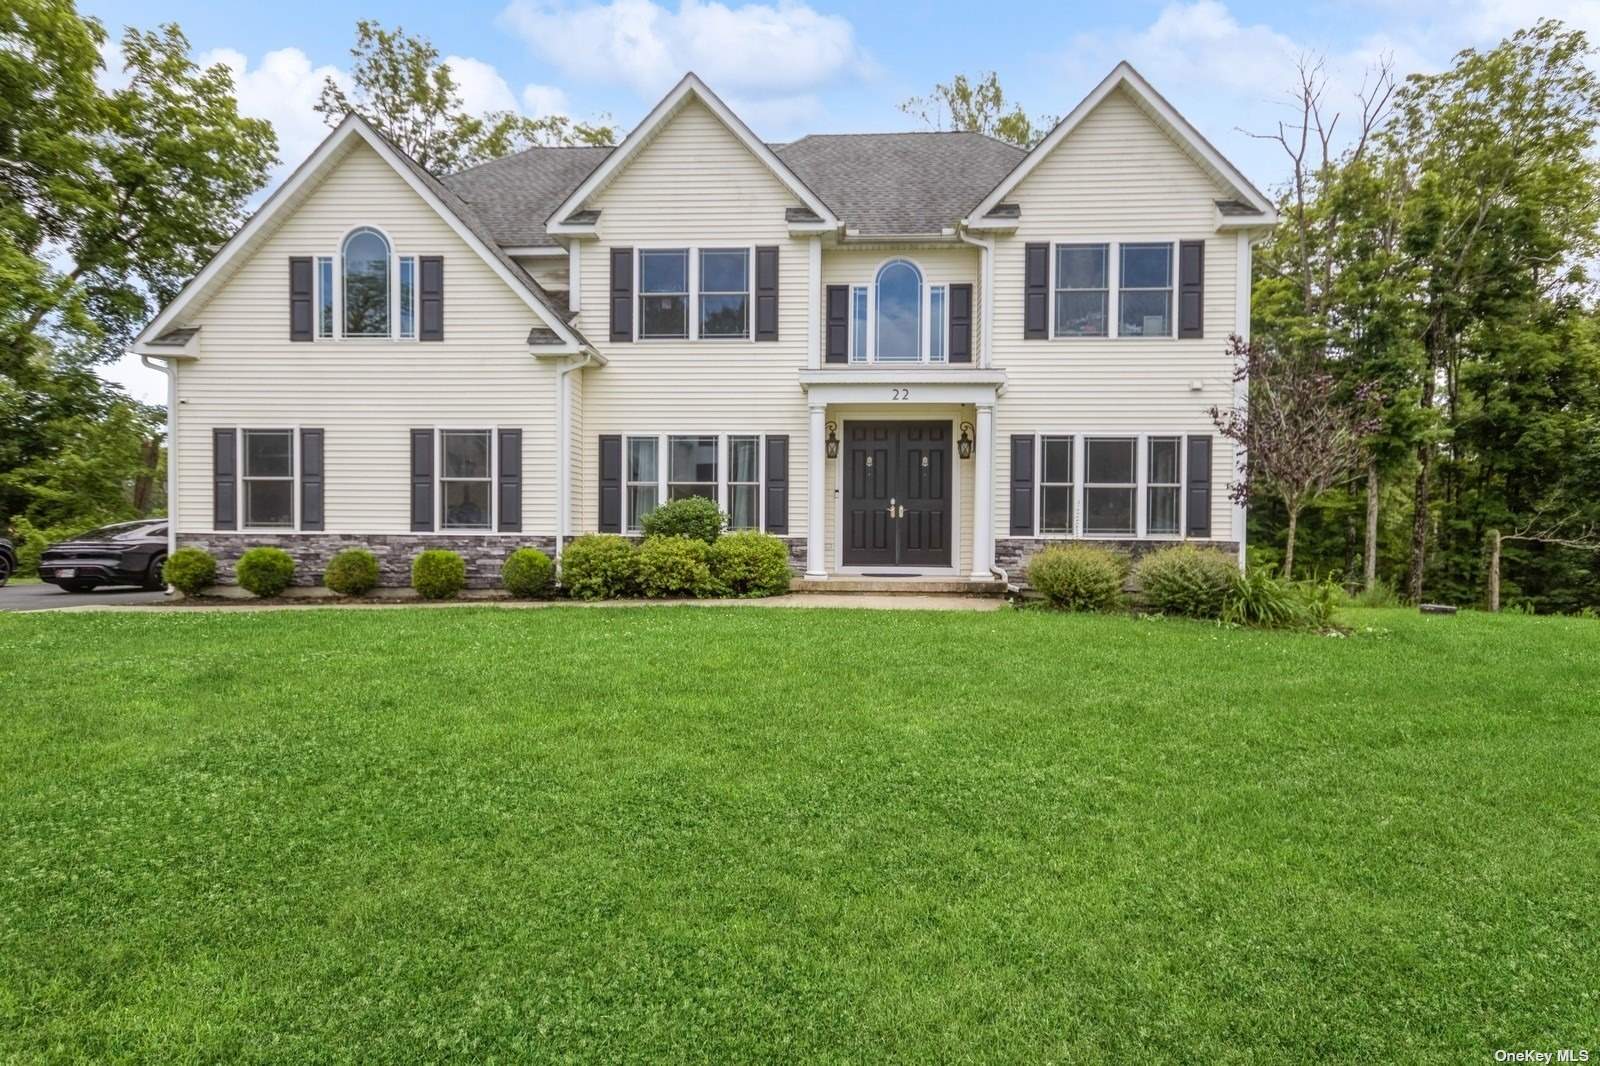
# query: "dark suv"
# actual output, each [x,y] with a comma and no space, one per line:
[8,561]
[127,553]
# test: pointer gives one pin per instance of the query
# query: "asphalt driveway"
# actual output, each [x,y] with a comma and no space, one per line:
[43,597]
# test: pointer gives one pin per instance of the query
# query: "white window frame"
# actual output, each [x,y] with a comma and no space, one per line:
[1057,289]
[1114,296]
[936,325]
[690,304]
[726,484]
[396,257]
[1147,484]
[326,289]
[439,479]
[401,263]
[717,480]
[1073,484]
[242,504]
[859,348]
[1171,288]
[868,291]
[724,467]
[1079,438]
[748,292]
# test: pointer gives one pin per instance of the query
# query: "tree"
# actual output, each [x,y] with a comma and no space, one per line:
[114,198]
[403,89]
[977,107]
[1299,438]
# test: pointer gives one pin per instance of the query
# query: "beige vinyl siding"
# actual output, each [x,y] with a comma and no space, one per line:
[1117,177]
[366,394]
[941,264]
[550,271]
[694,185]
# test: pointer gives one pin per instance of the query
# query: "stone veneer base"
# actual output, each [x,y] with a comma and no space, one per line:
[1012,553]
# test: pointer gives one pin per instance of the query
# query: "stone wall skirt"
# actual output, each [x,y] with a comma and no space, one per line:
[484,554]
[1011,553]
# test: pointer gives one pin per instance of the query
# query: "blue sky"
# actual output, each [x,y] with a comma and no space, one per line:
[791,67]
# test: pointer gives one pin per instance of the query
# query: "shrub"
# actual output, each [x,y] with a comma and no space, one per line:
[527,572]
[692,516]
[1184,579]
[1077,577]
[438,574]
[1259,599]
[265,571]
[751,564]
[600,566]
[675,566]
[353,572]
[190,570]
[1320,599]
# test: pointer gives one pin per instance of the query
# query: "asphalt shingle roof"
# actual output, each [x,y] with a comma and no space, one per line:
[877,183]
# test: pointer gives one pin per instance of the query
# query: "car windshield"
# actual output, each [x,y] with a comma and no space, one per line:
[117,531]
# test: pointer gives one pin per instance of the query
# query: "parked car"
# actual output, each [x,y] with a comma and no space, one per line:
[8,561]
[127,553]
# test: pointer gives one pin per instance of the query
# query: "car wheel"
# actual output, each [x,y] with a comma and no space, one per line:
[5,570]
[154,579]
[79,586]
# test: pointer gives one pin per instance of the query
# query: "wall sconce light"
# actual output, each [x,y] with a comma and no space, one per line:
[833,441]
[964,442]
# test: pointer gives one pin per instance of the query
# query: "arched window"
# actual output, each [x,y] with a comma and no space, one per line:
[899,312]
[366,284]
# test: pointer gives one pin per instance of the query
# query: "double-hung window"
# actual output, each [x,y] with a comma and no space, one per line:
[691,467]
[1163,487]
[664,293]
[1110,485]
[725,292]
[268,478]
[644,480]
[744,482]
[1082,294]
[466,473]
[1056,486]
[1145,291]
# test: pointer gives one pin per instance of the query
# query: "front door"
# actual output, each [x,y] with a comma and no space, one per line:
[897,494]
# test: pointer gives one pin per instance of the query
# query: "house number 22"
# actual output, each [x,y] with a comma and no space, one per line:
[901,394]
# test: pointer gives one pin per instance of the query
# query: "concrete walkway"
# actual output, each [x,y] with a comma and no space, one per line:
[857,601]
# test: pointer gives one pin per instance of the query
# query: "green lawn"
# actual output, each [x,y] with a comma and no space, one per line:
[723,835]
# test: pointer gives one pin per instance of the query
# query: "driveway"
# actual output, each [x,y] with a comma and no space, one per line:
[44,597]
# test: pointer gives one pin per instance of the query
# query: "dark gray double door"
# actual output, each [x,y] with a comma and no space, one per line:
[897,494]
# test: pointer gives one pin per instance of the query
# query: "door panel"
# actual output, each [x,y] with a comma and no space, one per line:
[908,463]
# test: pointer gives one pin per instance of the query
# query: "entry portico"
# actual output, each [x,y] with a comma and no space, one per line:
[891,431]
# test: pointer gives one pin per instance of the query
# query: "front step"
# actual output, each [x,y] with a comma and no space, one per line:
[907,586]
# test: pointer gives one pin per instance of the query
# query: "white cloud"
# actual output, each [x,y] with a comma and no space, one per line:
[481,86]
[541,100]
[754,50]
[282,89]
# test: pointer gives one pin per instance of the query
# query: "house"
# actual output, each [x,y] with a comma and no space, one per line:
[904,353]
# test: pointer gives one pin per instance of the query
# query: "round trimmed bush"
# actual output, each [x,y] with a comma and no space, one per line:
[265,571]
[692,516]
[751,564]
[438,574]
[527,572]
[353,572]
[1077,577]
[190,570]
[675,566]
[1187,580]
[600,566]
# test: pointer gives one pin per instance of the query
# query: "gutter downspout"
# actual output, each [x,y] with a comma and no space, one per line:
[986,334]
[170,371]
[564,449]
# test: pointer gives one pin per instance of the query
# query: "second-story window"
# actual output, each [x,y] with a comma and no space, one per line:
[1082,296]
[899,318]
[1145,294]
[664,293]
[366,284]
[725,292]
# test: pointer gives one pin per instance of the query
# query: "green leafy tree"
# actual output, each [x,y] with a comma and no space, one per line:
[977,106]
[403,88]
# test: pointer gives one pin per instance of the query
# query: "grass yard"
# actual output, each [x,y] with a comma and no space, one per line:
[723,835]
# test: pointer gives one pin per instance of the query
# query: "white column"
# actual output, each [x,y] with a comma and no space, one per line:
[816,494]
[983,494]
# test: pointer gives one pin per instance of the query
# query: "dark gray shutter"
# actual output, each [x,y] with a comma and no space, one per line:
[1191,288]
[610,483]
[621,294]
[960,323]
[1036,293]
[1198,489]
[1022,484]
[422,481]
[510,481]
[777,484]
[300,298]
[224,479]
[767,293]
[838,334]
[311,478]
[430,298]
